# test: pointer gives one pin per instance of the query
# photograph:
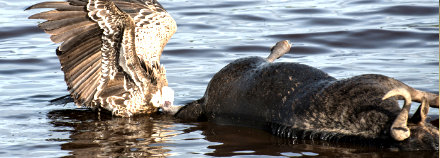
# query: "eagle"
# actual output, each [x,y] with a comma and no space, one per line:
[110,52]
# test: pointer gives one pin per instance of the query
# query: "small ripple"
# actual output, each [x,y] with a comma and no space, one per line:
[291,154]
[22,61]
[43,96]
[17,71]
[198,26]
[244,152]
[432,63]
[329,21]
[17,116]
[248,48]
[248,17]
[364,2]
[410,10]
[309,50]
[304,11]
[197,13]
[309,153]
[194,53]
[403,10]
[331,69]
[8,32]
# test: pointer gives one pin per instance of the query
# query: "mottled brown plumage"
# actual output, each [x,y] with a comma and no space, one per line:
[110,52]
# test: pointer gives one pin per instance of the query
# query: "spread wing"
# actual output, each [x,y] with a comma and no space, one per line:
[103,54]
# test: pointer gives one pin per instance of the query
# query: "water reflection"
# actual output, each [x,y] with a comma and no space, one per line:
[94,135]
[91,134]
[242,141]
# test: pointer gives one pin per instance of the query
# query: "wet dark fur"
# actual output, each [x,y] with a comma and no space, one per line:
[301,102]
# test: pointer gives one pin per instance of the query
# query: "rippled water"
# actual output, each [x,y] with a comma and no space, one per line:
[344,38]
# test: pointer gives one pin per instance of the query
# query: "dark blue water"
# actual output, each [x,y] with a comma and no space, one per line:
[344,38]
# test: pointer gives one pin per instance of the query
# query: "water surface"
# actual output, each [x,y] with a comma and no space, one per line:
[343,38]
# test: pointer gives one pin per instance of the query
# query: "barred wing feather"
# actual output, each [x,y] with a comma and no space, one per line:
[110,51]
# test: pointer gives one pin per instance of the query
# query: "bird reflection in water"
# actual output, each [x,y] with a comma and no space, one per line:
[92,135]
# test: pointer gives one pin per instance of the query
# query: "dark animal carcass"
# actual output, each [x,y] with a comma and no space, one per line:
[297,101]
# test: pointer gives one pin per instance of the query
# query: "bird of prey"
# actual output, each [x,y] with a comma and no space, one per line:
[110,52]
